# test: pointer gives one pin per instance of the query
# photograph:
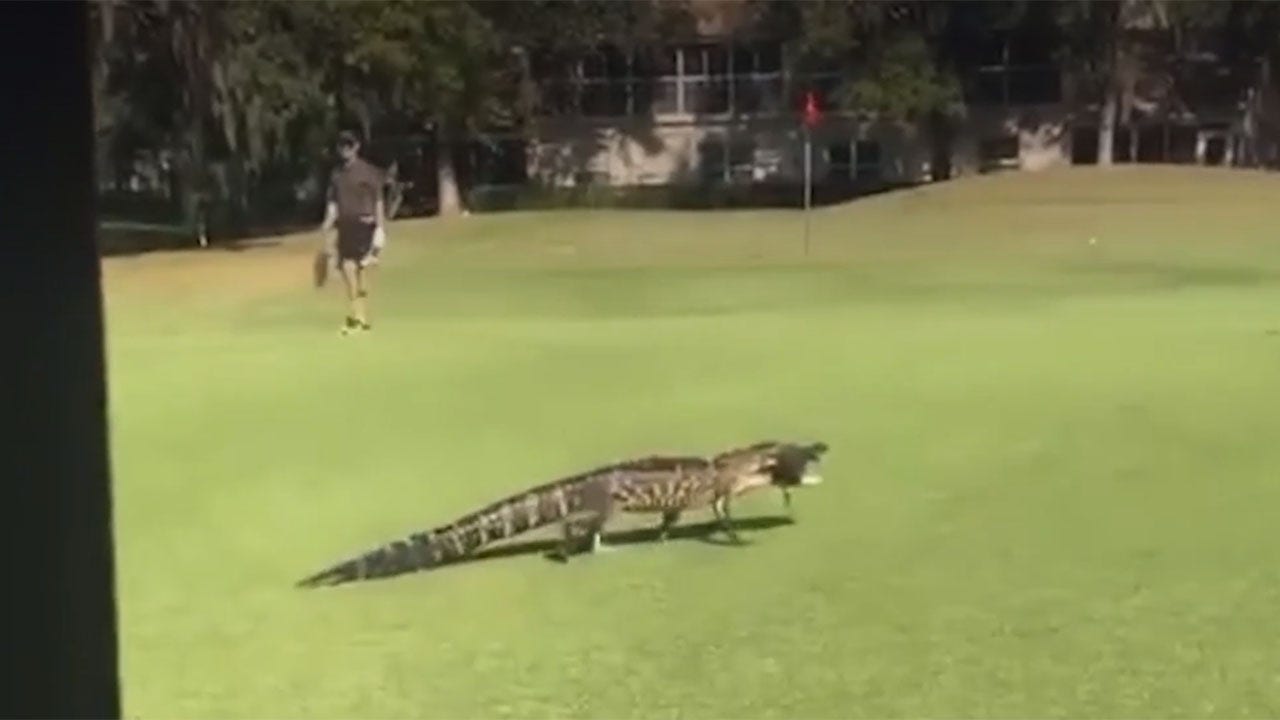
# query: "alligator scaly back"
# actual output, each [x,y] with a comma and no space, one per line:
[531,509]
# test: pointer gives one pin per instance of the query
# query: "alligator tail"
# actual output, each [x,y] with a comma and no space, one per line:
[528,510]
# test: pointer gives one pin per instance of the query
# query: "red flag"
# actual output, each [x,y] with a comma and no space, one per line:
[811,113]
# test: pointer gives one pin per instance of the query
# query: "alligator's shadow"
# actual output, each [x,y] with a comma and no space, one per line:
[708,532]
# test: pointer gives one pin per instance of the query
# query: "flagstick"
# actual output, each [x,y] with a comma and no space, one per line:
[811,115]
[808,183]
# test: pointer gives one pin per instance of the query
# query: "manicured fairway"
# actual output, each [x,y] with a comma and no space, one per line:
[1053,487]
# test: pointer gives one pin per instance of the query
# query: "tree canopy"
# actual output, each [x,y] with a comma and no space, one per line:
[236,92]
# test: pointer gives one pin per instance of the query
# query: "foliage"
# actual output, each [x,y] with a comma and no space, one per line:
[236,94]
[900,81]
[899,61]
[263,84]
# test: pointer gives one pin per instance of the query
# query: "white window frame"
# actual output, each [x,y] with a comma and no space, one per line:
[771,83]
[759,79]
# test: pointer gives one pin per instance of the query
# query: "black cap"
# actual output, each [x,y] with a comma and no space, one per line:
[347,138]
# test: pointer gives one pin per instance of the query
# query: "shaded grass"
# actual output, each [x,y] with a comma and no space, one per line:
[1051,489]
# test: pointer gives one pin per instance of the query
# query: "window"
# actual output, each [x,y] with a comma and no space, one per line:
[1084,145]
[658,62]
[661,69]
[594,67]
[706,97]
[867,160]
[560,97]
[1182,144]
[1122,145]
[758,95]
[712,155]
[858,160]
[605,82]
[1029,47]
[1151,144]
[499,163]
[722,159]
[999,152]
[986,87]
[761,59]
[1015,72]
[839,161]
[587,178]
[1215,150]
[604,99]
[643,101]
[757,79]
[1034,85]
[703,79]
[742,160]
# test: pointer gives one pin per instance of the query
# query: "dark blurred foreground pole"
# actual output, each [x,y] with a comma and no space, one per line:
[59,637]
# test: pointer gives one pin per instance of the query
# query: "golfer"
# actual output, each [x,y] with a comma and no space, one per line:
[356,210]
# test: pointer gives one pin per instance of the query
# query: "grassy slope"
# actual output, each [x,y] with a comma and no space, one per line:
[1052,487]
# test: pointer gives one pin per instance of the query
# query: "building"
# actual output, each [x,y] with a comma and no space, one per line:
[723,110]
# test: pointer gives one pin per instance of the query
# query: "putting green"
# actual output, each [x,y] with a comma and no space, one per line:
[1051,489]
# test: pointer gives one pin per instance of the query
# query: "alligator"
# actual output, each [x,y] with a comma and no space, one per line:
[667,485]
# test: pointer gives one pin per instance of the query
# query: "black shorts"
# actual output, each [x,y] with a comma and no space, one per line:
[355,239]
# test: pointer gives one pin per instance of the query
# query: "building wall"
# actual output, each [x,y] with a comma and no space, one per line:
[571,152]
[1031,138]
[1008,124]
[1041,135]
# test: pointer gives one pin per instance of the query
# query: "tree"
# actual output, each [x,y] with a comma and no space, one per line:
[1114,45]
[146,91]
[433,66]
[885,55]
[263,88]
[1132,54]
[900,62]
[1251,40]
[195,36]
[103,18]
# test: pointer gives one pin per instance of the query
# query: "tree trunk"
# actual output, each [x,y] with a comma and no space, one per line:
[366,126]
[942,146]
[1107,127]
[102,76]
[194,174]
[191,48]
[447,195]
[238,195]
[1269,114]
[1113,20]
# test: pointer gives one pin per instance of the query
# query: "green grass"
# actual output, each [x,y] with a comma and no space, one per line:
[1052,489]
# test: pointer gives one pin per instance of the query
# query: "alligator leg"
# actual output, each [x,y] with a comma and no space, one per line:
[669,519]
[720,506]
[597,508]
[597,543]
[570,541]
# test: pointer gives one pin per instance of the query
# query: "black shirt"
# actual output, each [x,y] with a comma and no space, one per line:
[355,188]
